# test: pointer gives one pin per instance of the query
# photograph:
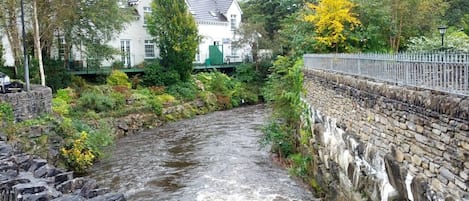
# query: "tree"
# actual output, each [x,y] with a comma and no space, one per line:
[8,18]
[89,24]
[254,35]
[175,30]
[296,36]
[37,41]
[455,41]
[331,18]
[268,16]
[389,24]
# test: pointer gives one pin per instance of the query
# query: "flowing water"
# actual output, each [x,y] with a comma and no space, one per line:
[210,157]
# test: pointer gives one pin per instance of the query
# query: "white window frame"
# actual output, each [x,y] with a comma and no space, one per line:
[233,21]
[125,52]
[146,13]
[146,45]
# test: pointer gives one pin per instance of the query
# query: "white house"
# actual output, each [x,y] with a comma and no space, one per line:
[217,21]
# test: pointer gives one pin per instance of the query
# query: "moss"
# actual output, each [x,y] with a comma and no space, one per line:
[170,117]
[316,187]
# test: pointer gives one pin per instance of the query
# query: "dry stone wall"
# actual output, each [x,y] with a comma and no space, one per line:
[385,142]
[28,105]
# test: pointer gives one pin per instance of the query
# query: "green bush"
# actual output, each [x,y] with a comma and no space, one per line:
[280,137]
[6,112]
[185,91]
[155,75]
[76,155]
[60,106]
[99,138]
[166,99]
[246,73]
[118,78]
[57,76]
[65,94]
[300,165]
[156,106]
[97,102]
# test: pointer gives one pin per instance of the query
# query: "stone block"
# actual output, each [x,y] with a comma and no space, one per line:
[425,164]
[399,156]
[445,138]
[36,164]
[415,149]
[437,185]
[464,145]
[461,184]
[447,174]
[437,152]
[422,139]
[419,128]
[439,145]
[436,126]
[403,126]
[416,160]
[405,147]
[442,179]
[464,174]
[429,174]
[411,126]
[436,131]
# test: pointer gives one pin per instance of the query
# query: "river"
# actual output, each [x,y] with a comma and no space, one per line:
[211,157]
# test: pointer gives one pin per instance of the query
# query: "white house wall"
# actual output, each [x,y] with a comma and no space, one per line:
[136,33]
[7,53]
[211,33]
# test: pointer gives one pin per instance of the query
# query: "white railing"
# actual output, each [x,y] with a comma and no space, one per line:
[448,72]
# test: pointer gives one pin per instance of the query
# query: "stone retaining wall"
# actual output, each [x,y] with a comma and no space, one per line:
[28,105]
[385,142]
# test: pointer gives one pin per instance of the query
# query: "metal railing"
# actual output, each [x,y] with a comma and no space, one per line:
[442,71]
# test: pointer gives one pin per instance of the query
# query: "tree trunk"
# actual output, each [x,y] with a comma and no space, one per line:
[37,43]
[11,30]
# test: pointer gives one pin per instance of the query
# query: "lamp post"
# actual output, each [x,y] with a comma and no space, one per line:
[442,30]
[25,49]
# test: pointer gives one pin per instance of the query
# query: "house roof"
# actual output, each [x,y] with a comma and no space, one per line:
[210,10]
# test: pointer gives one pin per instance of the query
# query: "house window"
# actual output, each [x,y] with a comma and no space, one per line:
[233,51]
[146,14]
[149,49]
[125,52]
[61,48]
[233,22]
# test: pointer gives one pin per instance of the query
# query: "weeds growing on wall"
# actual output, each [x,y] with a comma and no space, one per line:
[287,133]
[283,93]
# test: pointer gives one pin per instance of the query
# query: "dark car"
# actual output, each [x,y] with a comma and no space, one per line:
[7,86]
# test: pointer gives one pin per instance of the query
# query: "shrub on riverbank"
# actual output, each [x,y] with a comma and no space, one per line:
[288,135]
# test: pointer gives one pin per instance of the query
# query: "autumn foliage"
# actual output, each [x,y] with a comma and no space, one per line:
[331,18]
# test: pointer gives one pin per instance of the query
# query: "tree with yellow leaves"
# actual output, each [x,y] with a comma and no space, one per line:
[331,18]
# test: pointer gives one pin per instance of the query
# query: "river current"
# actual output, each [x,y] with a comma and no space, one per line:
[213,157]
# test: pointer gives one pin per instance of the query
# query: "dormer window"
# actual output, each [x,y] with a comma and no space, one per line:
[213,13]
